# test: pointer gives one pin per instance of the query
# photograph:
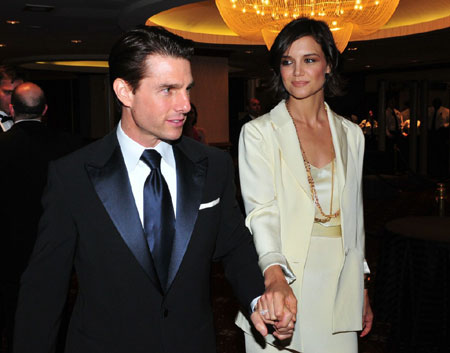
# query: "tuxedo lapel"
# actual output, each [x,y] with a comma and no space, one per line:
[191,175]
[110,180]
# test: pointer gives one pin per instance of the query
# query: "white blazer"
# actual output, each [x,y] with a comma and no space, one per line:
[280,211]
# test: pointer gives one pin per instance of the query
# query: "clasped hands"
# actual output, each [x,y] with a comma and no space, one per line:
[276,307]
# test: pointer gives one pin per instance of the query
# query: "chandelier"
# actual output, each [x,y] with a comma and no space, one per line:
[262,20]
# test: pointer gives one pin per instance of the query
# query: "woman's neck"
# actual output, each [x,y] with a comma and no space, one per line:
[310,111]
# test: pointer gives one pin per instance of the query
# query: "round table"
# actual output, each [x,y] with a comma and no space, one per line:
[412,284]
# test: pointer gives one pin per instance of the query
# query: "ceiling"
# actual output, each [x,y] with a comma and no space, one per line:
[46,33]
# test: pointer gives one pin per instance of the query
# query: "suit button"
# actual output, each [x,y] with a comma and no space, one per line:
[166,313]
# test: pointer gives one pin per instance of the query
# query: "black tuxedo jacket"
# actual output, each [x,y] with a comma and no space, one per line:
[90,221]
[25,151]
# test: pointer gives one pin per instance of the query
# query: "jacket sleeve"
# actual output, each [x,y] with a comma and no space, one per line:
[45,283]
[256,172]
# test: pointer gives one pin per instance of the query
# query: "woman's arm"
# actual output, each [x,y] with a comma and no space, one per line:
[256,170]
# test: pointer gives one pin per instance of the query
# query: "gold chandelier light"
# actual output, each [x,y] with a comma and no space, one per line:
[262,20]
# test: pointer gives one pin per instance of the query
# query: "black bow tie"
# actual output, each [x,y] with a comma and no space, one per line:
[5,118]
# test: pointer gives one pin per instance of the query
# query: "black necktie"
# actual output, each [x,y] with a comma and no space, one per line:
[159,218]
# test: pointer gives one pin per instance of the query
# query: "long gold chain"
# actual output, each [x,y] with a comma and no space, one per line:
[312,186]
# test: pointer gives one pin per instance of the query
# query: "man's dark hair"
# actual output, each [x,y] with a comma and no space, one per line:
[128,56]
[8,72]
[299,28]
[28,107]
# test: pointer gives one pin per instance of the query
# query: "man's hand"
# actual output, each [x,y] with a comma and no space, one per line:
[283,329]
[367,318]
[277,306]
[277,297]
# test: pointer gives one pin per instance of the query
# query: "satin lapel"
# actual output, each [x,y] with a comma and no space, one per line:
[287,140]
[339,135]
[190,181]
[114,190]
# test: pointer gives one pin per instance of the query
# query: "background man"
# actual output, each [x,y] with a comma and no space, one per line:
[26,150]
[141,214]
[9,79]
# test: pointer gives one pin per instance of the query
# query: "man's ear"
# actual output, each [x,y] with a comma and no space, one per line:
[11,110]
[45,110]
[123,91]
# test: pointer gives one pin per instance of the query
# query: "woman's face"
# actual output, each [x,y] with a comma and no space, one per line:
[303,67]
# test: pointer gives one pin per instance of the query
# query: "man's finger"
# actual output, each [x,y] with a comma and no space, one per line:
[259,324]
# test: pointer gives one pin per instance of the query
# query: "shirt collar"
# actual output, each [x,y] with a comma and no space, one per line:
[132,151]
[21,120]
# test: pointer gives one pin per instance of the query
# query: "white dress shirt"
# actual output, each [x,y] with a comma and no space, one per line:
[138,171]
[6,125]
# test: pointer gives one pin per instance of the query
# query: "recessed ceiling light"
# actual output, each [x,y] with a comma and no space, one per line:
[103,64]
[352,48]
[12,22]
[248,52]
[76,41]
[367,66]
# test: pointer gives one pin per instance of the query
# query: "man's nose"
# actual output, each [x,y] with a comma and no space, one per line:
[184,103]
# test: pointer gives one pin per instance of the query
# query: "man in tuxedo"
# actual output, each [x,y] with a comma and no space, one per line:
[9,79]
[26,150]
[140,214]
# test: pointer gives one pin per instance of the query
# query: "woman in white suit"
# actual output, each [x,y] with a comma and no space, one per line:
[300,169]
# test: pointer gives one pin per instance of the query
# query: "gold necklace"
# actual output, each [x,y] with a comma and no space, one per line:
[312,186]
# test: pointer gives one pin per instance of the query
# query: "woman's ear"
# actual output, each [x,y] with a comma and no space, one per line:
[123,91]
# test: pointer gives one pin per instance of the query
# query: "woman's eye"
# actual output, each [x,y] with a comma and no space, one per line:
[286,62]
[309,60]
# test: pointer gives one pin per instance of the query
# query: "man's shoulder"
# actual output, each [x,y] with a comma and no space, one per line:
[93,153]
[199,150]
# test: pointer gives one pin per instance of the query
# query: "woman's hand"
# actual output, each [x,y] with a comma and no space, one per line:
[367,318]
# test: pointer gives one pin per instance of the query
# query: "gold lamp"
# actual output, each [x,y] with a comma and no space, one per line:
[262,20]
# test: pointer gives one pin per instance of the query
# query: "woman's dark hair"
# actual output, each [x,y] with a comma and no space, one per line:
[127,59]
[192,115]
[299,28]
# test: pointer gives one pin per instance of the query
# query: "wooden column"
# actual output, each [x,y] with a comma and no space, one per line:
[382,116]
[413,127]
[423,139]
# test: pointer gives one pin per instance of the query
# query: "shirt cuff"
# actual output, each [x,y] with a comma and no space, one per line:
[366,268]
[253,304]
[288,274]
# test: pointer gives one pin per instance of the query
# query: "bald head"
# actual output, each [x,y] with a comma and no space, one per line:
[28,102]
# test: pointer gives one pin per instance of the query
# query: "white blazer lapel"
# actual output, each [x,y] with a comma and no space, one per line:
[287,140]
[339,133]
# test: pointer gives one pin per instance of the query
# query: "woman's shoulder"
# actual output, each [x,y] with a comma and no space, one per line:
[273,118]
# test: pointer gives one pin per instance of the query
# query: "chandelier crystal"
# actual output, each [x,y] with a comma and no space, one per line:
[262,20]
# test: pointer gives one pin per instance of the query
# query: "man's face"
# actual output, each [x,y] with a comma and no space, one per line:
[6,88]
[254,107]
[157,109]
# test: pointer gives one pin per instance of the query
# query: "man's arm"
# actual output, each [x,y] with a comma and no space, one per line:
[45,283]
[241,266]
